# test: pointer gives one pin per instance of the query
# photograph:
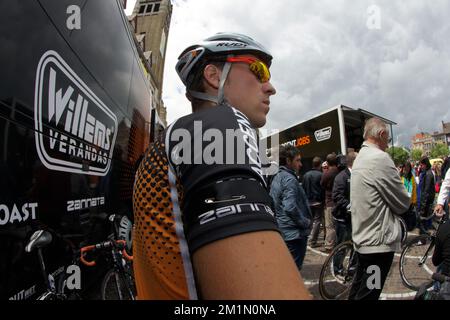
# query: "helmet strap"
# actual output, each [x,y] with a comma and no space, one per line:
[203,96]
[223,78]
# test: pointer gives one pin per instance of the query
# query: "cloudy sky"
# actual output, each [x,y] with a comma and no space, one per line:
[391,58]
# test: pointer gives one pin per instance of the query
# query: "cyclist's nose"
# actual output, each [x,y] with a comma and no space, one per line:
[269,88]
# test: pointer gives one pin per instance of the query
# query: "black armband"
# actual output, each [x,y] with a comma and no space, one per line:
[225,208]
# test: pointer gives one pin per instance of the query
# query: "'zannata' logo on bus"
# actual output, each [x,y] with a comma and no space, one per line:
[323,134]
[75,131]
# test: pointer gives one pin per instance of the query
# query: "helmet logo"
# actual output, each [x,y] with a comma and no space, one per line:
[232,44]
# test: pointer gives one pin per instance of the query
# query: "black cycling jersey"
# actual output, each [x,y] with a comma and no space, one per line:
[214,153]
[200,183]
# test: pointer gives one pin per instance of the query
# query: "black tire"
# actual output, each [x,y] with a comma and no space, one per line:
[333,285]
[413,272]
[404,232]
[117,286]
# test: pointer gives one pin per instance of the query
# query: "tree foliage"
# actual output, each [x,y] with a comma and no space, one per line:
[439,150]
[416,154]
[398,155]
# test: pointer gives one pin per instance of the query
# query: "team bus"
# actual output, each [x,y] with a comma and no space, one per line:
[75,116]
[337,130]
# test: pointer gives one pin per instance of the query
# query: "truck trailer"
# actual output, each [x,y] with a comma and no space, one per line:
[339,130]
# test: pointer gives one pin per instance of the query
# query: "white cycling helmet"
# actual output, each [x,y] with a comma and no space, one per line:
[221,45]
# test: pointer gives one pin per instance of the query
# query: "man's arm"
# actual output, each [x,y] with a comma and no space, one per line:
[443,194]
[391,188]
[428,185]
[307,185]
[289,204]
[338,194]
[324,180]
[250,266]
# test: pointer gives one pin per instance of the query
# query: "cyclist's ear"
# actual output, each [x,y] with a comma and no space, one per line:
[211,75]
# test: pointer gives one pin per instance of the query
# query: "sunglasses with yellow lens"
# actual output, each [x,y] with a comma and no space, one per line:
[259,68]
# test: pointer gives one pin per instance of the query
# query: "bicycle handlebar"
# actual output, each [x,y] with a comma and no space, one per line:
[120,244]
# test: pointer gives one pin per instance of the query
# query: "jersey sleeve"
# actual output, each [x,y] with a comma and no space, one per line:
[214,153]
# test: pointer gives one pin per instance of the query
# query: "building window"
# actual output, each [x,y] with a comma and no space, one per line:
[148,8]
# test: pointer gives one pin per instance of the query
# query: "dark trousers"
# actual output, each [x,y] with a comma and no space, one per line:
[297,248]
[317,212]
[343,233]
[360,289]
[424,225]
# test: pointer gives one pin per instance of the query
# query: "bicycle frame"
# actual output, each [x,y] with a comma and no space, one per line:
[425,256]
[119,266]
[52,291]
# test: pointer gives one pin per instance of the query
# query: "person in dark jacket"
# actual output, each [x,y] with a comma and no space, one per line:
[427,193]
[341,198]
[327,182]
[341,210]
[291,205]
[441,255]
[315,194]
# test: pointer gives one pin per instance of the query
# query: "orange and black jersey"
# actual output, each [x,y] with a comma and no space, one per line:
[201,182]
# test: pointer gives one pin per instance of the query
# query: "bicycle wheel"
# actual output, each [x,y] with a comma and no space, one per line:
[416,267]
[404,232]
[117,286]
[336,276]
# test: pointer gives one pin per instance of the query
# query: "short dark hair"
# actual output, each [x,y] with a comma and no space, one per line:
[316,162]
[288,152]
[424,160]
[332,159]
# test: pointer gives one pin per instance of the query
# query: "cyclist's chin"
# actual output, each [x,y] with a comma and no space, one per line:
[258,121]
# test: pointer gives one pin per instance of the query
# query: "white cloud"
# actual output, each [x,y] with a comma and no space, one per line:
[325,55]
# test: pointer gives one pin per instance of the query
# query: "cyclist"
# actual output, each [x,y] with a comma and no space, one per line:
[205,229]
